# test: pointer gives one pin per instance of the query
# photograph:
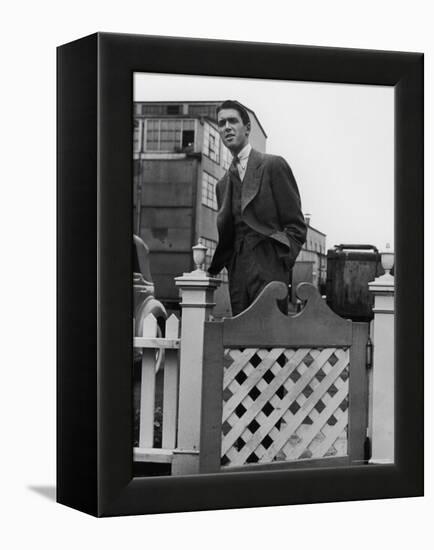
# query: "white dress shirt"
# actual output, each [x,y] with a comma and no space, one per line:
[243,157]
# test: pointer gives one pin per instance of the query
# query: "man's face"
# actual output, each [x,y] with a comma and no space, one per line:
[234,133]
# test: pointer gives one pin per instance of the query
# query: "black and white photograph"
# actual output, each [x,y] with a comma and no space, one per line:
[263,219]
[216,284]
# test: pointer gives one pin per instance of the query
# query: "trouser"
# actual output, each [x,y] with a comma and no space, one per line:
[251,268]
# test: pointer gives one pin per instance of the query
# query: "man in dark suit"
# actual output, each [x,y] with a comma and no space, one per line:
[260,224]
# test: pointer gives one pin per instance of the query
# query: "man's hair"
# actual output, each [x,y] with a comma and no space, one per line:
[232,104]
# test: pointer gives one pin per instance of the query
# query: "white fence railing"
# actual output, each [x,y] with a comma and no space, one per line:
[158,353]
[182,377]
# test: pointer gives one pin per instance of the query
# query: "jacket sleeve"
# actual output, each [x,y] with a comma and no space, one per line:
[288,205]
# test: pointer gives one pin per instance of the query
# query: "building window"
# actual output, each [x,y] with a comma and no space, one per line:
[213,147]
[202,109]
[211,143]
[173,109]
[152,135]
[169,135]
[226,158]
[211,245]
[208,191]
[187,138]
[148,109]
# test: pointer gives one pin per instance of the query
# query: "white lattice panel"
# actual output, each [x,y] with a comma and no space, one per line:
[284,404]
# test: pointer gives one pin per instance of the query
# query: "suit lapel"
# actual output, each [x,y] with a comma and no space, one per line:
[252,178]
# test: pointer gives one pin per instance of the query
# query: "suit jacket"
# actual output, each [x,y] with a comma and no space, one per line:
[270,205]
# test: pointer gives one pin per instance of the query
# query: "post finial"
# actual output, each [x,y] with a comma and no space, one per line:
[199,254]
[387,259]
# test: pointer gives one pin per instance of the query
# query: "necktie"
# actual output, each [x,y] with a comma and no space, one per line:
[234,166]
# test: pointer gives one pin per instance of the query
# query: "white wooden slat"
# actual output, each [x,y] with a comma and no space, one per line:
[322,434]
[149,326]
[239,425]
[341,442]
[239,361]
[152,455]
[318,424]
[293,421]
[147,389]
[233,385]
[160,343]
[171,386]
[254,412]
[283,413]
[332,436]
[267,395]
[232,456]
[269,359]
[260,451]
[309,374]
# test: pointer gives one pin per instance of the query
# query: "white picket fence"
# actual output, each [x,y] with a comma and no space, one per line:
[162,353]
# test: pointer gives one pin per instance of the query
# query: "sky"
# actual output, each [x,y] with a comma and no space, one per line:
[337,138]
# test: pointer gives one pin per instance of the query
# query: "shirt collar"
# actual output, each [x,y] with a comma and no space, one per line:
[243,155]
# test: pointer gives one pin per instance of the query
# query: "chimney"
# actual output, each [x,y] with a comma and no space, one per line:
[307,218]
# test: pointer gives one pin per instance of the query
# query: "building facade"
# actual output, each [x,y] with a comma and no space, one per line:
[311,263]
[178,159]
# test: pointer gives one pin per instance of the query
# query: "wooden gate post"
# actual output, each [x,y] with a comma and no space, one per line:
[197,300]
[382,399]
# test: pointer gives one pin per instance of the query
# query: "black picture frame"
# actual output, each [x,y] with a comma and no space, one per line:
[94,378]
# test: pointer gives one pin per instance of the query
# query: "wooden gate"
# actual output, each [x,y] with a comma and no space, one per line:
[283,391]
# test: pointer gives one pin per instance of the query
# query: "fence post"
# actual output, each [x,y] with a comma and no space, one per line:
[170,391]
[197,300]
[382,399]
[147,386]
